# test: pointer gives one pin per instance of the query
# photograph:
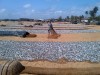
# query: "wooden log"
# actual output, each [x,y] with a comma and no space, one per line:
[11,68]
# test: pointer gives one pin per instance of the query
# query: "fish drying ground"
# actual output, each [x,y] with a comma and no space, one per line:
[58,31]
[72,51]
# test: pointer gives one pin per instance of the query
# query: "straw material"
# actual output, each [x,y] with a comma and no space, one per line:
[53,35]
[31,35]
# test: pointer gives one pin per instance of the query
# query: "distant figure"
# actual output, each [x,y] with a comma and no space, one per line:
[50,28]
[51,32]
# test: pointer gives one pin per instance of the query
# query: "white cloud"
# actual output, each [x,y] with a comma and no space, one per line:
[2,10]
[27,5]
[33,10]
[58,12]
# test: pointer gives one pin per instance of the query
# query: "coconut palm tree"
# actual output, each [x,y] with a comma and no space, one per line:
[93,12]
[86,12]
[95,9]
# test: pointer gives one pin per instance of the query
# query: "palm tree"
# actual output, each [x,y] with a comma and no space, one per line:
[95,9]
[93,12]
[86,12]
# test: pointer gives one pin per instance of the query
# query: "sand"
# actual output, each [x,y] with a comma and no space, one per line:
[75,37]
[63,38]
[60,67]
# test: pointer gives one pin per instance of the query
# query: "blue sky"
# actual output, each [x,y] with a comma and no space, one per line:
[42,9]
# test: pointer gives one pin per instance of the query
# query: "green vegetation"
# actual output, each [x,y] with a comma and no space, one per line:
[89,17]
[93,18]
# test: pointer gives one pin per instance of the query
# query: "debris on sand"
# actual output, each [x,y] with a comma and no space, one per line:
[17,33]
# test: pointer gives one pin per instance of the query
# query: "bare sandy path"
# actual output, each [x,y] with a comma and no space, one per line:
[67,68]
[62,38]
[60,67]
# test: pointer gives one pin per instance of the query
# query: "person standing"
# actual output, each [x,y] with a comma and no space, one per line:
[50,28]
[51,32]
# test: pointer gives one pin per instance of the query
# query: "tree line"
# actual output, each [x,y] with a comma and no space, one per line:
[90,15]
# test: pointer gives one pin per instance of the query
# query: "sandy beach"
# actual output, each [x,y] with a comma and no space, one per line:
[60,67]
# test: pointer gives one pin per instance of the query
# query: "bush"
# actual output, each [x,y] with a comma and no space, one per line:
[98,23]
[38,24]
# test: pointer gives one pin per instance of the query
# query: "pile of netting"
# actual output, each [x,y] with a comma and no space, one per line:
[15,33]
